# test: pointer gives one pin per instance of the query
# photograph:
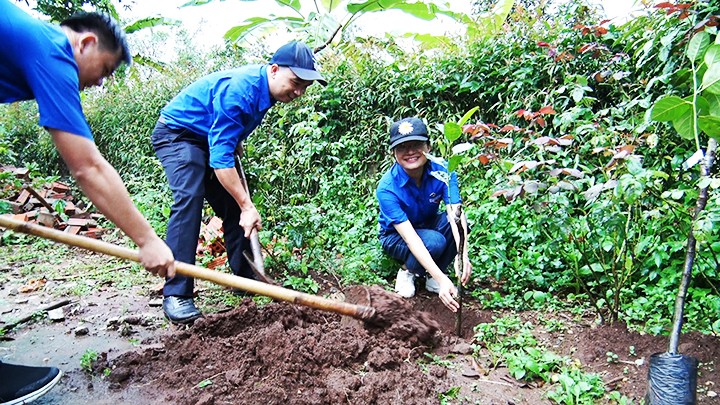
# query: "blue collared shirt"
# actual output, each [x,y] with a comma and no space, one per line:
[225,106]
[402,200]
[37,62]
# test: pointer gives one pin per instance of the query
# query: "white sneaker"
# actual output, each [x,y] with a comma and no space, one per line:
[405,283]
[432,285]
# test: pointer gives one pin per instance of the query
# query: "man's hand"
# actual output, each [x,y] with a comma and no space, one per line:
[249,219]
[157,258]
[447,292]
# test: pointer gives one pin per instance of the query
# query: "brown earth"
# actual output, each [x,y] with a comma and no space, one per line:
[284,354]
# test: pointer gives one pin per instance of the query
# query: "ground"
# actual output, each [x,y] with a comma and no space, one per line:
[249,351]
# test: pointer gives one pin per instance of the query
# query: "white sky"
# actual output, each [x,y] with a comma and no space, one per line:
[212,20]
[215,18]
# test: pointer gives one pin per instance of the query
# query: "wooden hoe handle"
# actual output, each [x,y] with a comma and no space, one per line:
[225,279]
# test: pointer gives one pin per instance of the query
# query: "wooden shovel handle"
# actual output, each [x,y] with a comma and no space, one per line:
[225,279]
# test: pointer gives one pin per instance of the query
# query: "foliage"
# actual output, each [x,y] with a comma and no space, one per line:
[511,342]
[60,10]
[87,359]
[328,20]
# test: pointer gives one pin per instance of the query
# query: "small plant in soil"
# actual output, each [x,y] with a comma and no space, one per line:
[575,387]
[437,360]
[449,396]
[87,360]
[204,383]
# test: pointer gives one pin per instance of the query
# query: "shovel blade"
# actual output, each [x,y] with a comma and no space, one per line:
[258,271]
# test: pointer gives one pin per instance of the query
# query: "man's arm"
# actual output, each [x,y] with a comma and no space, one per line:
[249,216]
[103,185]
[418,249]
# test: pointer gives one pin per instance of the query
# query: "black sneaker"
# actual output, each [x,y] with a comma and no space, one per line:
[24,384]
[180,310]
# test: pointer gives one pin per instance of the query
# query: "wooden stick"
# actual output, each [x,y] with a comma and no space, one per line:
[45,308]
[190,270]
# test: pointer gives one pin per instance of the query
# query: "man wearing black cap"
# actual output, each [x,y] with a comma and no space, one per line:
[412,230]
[196,138]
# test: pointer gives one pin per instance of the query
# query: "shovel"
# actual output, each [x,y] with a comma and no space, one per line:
[364,313]
[254,259]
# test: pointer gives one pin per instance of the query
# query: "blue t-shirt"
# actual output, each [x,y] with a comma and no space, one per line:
[36,62]
[225,106]
[402,200]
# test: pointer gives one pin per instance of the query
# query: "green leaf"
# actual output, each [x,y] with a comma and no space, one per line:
[237,33]
[670,108]
[685,126]
[711,79]
[702,104]
[150,22]
[467,116]
[419,10]
[710,125]
[294,4]
[454,162]
[712,55]
[452,131]
[713,103]
[698,45]
[145,61]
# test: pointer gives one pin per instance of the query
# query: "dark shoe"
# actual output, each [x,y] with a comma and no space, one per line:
[24,384]
[180,309]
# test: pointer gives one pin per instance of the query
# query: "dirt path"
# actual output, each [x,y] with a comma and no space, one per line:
[284,354]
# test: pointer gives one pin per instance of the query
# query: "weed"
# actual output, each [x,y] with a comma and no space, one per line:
[304,284]
[575,387]
[87,359]
[510,341]
[446,397]
[437,360]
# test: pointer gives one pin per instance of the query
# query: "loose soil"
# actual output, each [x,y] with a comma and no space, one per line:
[280,353]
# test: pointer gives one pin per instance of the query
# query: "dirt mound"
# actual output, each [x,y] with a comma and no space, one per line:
[291,355]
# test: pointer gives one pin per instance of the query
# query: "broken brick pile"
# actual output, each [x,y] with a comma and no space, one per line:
[211,242]
[39,205]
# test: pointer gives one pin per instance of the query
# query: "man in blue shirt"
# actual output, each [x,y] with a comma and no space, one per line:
[412,230]
[51,64]
[196,139]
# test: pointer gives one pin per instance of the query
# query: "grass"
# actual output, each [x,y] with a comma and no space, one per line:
[81,271]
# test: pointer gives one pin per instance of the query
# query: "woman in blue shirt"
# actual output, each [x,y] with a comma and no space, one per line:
[412,229]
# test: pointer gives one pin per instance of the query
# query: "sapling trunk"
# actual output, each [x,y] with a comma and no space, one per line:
[705,168]
[460,268]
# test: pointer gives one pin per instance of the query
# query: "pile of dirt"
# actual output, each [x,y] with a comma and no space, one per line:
[287,354]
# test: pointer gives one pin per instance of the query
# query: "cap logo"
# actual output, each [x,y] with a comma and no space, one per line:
[405,128]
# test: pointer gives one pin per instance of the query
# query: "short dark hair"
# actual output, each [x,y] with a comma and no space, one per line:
[111,37]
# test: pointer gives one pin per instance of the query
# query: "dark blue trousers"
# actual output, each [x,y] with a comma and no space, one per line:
[184,156]
[437,236]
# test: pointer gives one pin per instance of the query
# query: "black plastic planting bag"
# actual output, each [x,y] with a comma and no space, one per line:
[672,380]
